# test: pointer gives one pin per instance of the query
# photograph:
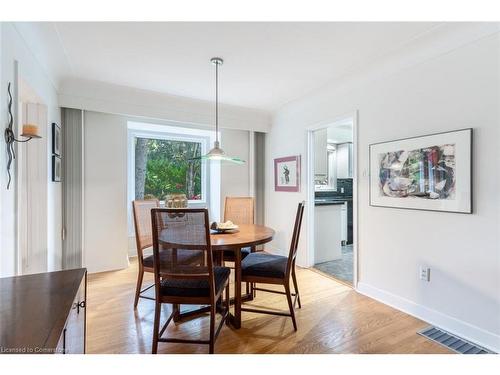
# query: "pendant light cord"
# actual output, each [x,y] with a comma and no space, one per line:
[217,102]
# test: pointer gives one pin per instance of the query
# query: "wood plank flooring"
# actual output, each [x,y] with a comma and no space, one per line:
[333,319]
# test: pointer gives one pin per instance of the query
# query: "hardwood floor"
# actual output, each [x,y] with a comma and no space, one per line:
[333,319]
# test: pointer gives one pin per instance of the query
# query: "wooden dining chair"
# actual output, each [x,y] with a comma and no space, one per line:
[240,210]
[264,268]
[180,284]
[144,240]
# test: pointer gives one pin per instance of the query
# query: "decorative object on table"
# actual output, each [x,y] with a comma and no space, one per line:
[56,168]
[176,201]
[287,174]
[432,172]
[30,131]
[224,227]
[56,139]
[216,153]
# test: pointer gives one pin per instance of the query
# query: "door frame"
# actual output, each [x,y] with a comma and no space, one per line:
[310,188]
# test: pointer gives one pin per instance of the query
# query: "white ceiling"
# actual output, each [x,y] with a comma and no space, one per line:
[266,64]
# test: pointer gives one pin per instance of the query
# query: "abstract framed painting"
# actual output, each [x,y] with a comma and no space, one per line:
[287,174]
[432,172]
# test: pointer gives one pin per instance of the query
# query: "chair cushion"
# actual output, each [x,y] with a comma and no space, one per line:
[229,255]
[264,265]
[195,288]
[184,257]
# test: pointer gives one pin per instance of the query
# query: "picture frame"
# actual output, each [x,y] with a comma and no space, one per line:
[56,168]
[56,139]
[287,174]
[431,172]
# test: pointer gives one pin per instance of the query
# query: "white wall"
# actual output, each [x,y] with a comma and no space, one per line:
[235,179]
[106,238]
[105,192]
[14,48]
[453,85]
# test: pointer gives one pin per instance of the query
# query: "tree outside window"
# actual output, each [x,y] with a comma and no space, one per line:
[165,167]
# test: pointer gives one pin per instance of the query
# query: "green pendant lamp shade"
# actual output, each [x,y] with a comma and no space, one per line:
[217,153]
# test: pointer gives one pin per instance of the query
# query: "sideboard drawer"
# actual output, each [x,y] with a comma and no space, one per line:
[74,330]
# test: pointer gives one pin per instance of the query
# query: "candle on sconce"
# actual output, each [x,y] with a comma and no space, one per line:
[30,130]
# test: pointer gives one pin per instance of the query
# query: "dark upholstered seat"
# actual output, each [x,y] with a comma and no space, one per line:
[229,255]
[184,257]
[264,265]
[193,287]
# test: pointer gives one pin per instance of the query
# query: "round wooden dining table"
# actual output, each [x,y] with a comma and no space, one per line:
[247,235]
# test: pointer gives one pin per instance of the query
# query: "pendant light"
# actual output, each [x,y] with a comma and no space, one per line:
[216,153]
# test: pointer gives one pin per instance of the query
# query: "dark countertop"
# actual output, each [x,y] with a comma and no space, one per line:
[34,308]
[329,202]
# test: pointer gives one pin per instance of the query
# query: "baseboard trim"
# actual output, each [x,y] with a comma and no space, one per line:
[458,327]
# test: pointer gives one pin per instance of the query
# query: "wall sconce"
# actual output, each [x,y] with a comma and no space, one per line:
[30,131]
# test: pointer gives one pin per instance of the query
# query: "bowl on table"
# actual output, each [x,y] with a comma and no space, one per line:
[226,227]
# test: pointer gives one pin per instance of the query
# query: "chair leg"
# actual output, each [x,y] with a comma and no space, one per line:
[212,330]
[253,249]
[228,304]
[156,327]
[138,287]
[290,305]
[177,312]
[295,286]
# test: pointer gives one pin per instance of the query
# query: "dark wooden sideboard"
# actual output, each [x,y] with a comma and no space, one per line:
[43,313]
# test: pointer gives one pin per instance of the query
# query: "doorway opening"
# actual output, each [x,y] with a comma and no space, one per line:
[333,196]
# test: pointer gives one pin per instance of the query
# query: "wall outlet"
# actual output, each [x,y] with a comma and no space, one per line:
[425,274]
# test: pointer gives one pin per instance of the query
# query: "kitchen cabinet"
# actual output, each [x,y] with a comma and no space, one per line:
[344,160]
[343,220]
[320,152]
[327,227]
